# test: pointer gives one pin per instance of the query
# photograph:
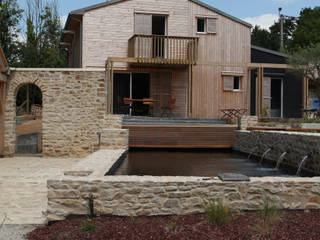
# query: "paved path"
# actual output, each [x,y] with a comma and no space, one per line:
[23,191]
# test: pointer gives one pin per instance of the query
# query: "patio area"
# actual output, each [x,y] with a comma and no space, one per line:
[23,187]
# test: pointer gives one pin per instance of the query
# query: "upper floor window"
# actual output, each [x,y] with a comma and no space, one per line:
[147,24]
[206,25]
[201,25]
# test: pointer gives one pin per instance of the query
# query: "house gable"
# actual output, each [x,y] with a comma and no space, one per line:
[82,11]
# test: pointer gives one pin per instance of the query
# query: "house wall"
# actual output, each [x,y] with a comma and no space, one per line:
[2,107]
[73,109]
[166,84]
[105,36]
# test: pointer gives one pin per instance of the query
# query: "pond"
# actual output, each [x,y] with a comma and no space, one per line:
[202,163]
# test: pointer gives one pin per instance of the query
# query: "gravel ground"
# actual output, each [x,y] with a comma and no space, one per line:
[15,232]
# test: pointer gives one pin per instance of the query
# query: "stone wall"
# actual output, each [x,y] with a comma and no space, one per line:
[147,196]
[296,144]
[68,194]
[248,121]
[73,109]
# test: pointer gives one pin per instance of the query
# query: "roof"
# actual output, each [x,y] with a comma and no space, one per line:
[81,11]
[269,51]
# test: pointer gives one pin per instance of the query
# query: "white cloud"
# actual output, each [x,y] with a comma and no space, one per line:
[264,21]
[63,20]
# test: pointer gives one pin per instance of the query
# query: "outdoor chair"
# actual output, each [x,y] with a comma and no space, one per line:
[313,112]
[167,110]
[149,102]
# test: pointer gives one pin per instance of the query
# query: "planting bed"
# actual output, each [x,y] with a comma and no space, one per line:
[295,225]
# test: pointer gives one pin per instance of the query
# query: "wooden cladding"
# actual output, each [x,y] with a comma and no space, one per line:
[164,49]
[178,136]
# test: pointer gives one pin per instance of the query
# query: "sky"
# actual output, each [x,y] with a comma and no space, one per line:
[256,12]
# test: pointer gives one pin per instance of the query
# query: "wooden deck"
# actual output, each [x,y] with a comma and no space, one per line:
[181,136]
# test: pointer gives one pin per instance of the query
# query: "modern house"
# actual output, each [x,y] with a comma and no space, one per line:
[4,69]
[184,51]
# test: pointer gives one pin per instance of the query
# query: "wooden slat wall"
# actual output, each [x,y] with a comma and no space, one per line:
[165,85]
[181,136]
[231,44]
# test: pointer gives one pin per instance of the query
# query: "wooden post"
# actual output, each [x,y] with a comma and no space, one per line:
[28,99]
[305,93]
[111,84]
[260,92]
[190,89]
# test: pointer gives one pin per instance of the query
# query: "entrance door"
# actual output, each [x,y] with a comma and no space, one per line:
[130,85]
[276,97]
[159,28]
[273,97]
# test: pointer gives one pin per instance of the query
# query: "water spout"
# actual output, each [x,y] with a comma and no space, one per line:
[252,152]
[305,158]
[264,155]
[280,160]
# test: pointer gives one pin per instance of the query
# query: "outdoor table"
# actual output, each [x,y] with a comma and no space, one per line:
[137,100]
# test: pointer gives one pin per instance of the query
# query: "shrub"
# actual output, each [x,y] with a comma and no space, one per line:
[217,212]
[88,226]
[269,212]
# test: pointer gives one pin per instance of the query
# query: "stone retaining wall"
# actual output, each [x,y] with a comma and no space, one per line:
[73,109]
[147,196]
[297,144]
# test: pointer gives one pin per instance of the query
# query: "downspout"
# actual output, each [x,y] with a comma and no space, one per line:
[81,29]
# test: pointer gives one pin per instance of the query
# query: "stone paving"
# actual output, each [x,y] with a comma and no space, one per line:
[23,187]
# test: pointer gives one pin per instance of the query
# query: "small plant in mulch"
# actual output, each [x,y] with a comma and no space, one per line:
[217,212]
[88,226]
[269,216]
[173,227]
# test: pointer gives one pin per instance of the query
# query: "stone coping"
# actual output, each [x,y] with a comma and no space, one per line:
[96,164]
[168,179]
[58,69]
[285,132]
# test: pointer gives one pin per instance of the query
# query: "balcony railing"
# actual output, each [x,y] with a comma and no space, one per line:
[163,49]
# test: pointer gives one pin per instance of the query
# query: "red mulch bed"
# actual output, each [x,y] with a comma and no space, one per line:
[295,225]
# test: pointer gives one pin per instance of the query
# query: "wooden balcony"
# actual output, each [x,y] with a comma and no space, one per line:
[157,49]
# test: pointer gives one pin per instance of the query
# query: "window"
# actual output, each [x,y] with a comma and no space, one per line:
[201,26]
[236,83]
[232,83]
[206,25]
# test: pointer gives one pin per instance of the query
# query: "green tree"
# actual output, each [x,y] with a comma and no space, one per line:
[260,37]
[42,48]
[289,26]
[307,31]
[10,15]
[271,39]
[306,61]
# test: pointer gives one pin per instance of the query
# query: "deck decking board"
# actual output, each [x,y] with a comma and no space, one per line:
[180,136]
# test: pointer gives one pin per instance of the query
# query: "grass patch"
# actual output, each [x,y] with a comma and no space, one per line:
[88,226]
[269,216]
[217,212]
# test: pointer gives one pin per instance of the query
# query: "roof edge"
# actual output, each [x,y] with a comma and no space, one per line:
[222,13]
[81,11]
[269,51]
